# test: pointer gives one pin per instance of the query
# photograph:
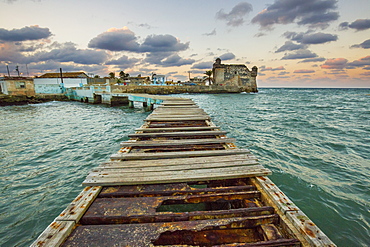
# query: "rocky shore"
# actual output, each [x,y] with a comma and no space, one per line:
[24,100]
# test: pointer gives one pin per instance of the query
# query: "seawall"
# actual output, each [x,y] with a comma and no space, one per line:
[24,100]
[213,89]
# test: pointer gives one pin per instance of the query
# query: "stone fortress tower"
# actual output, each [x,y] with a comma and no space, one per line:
[235,75]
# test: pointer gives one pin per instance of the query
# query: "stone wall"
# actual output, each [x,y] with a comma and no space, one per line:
[213,89]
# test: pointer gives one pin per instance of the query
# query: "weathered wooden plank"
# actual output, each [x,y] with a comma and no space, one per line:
[187,118]
[176,116]
[178,103]
[183,133]
[177,106]
[79,205]
[175,167]
[276,195]
[107,179]
[54,234]
[179,161]
[169,155]
[176,128]
[176,142]
[313,235]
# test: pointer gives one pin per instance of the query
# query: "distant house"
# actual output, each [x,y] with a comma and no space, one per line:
[139,80]
[51,83]
[17,86]
[158,79]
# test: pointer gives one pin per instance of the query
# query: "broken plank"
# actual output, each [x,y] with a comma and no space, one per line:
[183,133]
[175,177]
[171,155]
[176,142]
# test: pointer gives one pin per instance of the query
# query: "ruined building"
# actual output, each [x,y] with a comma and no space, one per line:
[235,75]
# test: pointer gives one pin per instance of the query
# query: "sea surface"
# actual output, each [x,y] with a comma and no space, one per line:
[315,141]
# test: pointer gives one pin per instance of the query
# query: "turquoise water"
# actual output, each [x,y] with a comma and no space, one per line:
[316,142]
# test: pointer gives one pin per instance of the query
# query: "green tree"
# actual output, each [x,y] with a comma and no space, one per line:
[112,75]
[122,74]
[209,74]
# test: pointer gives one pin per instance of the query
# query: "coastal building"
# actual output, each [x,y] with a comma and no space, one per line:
[158,79]
[139,80]
[52,83]
[17,86]
[234,75]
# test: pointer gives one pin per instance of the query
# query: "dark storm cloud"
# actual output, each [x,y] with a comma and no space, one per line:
[236,16]
[299,54]
[123,62]
[315,13]
[203,65]
[115,40]
[358,25]
[290,46]
[68,52]
[162,43]
[311,38]
[25,33]
[364,45]
[227,56]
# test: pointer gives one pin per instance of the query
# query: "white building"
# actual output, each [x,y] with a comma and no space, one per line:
[51,83]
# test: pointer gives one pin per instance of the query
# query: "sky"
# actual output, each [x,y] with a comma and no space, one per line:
[294,43]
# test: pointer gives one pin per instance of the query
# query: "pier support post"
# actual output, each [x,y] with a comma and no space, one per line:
[131,104]
[145,104]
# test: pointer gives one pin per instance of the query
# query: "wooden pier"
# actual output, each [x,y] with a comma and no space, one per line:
[180,181]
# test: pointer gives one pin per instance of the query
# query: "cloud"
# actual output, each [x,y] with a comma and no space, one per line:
[335,63]
[115,40]
[162,43]
[310,60]
[304,71]
[311,38]
[25,33]
[203,65]
[364,45]
[364,61]
[211,33]
[123,62]
[176,60]
[271,69]
[227,56]
[314,13]
[300,54]
[290,46]
[358,25]
[236,16]
[67,52]
[167,59]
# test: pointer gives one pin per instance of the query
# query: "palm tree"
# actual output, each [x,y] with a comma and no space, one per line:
[209,73]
